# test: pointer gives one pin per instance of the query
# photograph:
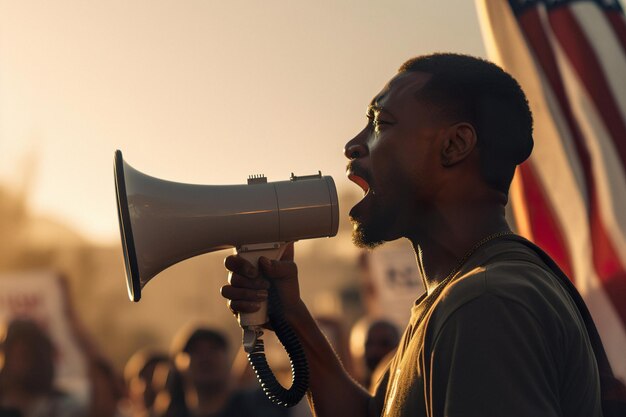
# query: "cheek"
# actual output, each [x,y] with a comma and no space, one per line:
[394,169]
[386,157]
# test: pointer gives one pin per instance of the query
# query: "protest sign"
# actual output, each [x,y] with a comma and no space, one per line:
[39,295]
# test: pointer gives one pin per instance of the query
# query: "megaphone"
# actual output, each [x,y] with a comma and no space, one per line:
[164,222]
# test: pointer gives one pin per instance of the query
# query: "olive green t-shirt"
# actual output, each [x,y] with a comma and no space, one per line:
[503,339]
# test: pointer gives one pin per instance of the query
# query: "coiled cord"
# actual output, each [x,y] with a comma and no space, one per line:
[299,365]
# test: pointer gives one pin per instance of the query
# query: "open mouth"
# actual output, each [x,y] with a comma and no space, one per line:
[360,181]
[360,208]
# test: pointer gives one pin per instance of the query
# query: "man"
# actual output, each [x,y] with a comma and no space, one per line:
[139,374]
[372,343]
[27,374]
[203,360]
[493,335]
[381,340]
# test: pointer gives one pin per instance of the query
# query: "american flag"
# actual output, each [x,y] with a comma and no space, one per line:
[570,196]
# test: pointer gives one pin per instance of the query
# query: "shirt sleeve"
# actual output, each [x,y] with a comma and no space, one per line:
[491,358]
[378,400]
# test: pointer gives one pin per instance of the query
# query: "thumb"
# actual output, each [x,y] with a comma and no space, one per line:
[289,252]
[278,269]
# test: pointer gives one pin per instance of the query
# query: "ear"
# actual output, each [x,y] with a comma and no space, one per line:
[459,141]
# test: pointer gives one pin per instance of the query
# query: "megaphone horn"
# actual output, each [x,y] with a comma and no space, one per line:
[164,222]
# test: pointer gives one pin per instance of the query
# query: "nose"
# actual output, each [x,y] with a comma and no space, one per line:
[355,148]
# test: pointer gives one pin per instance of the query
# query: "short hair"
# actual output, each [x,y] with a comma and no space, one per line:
[199,334]
[141,360]
[470,89]
[40,350]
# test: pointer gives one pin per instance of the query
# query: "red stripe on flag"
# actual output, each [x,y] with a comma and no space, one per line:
[604,256]
[586,64]
[546,230]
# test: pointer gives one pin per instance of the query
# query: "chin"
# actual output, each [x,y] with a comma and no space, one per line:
[366,237]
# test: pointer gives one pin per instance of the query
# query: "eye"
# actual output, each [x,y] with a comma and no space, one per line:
[378,124]
[374,120]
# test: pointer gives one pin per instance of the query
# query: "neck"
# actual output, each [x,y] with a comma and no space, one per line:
[211,399]
[449,237]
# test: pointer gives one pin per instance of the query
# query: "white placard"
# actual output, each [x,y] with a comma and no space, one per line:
[38,296]
[396,281]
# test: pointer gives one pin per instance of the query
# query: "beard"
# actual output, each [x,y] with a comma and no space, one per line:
[363,237]
[370,223]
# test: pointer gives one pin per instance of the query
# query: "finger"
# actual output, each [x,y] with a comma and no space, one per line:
[278,269]
[243,294]
[289,252]
[240,306]
[235,263]
[240,281]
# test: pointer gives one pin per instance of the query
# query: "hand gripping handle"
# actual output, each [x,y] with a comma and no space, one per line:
[253,344]
[252,323]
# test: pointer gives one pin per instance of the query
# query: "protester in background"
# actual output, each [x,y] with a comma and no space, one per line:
[28,370]
[203,360]
[139,375]
[27,374]
[371,343]
[171,402]
[380,344]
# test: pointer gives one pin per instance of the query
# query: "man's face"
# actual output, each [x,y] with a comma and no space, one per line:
[396,160]
[381,339]
[28,364]
[208,363]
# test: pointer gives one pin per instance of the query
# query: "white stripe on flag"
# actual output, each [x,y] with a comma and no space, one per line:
[607,48]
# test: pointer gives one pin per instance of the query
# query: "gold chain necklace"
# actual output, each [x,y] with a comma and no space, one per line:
[470,252]
[430,299]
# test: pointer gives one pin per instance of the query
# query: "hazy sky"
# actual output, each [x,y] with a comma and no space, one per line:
[197,91]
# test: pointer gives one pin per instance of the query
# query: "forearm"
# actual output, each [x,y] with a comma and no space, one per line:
[332,391]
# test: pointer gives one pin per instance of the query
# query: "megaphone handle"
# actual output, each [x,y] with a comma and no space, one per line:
[252,323]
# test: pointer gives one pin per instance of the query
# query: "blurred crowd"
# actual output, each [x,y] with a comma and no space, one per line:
[201,375]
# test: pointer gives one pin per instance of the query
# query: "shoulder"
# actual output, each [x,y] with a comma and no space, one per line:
[512,323]
[510,292]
